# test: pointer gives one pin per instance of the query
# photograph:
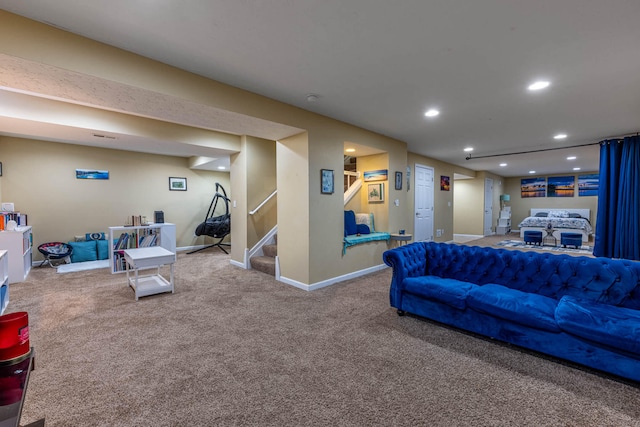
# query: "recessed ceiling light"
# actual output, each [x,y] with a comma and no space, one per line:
[221,168]
[576,169]
[571,158]
[532,171]
[540,84]
[432,112]
[503,165]
[312,97]
[560,136]
[468,149]
[350,150]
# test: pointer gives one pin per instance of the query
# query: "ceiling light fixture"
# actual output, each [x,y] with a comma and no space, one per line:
[576,169]
[503,165]
[312,97]
[221,168]
[468,149]
[560,136]
[532,171]
[571,158]
[350,150]
[539,85]
[432,112]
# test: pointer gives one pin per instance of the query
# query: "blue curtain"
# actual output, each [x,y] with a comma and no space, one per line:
[618,224]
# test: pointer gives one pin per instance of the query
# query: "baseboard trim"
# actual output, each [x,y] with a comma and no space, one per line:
[332,281]
[238,264]
[461,238]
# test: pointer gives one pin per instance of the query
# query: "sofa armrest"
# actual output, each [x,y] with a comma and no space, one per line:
[406,261]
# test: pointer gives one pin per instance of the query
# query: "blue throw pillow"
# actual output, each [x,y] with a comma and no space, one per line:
[103,249]
[363,229]
[84,251]
[350,226]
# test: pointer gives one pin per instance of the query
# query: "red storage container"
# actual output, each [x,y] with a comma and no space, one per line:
[14,336]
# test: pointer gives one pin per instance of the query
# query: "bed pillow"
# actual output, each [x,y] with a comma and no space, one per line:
[366,219]
[350,223]
[363,229]
[574,215]
[541,215]
[84,251]
[558,214]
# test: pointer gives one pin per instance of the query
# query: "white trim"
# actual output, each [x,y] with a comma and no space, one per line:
[333,280]
[463,238]
[237,264]
[277,268]
[253,212]
[352,190]
[256,250]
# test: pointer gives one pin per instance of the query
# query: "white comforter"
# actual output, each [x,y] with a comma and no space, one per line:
[557,223]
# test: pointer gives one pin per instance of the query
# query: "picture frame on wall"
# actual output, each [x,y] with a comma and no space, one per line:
[326,181]
[177,183]
[398,180]
[375,192]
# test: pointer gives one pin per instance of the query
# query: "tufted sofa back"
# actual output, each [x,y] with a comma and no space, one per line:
[609,281]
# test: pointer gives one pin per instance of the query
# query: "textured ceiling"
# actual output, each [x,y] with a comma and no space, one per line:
[380,65]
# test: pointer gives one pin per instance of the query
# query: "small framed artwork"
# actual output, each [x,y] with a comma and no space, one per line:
[326,181]
[91,174]
[377,175]
[375,192]
[177,184]
[0,168]
[398,180]
[445,184]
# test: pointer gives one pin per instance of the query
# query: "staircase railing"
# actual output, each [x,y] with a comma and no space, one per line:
[264,202]
[354,186]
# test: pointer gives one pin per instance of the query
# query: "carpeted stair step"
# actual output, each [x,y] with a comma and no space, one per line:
[270,250]
[266,264]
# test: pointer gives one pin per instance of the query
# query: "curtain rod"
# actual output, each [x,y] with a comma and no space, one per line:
[469,157]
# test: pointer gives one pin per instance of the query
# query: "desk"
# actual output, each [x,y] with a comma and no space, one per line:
[148,258]
[401,238]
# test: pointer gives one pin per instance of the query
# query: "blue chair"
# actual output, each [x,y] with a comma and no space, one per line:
[55,251]
[533,237]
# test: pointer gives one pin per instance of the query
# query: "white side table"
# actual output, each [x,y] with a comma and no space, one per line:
[401,238]
[148,258]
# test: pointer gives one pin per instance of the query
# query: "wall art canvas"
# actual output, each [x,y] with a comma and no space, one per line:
[377,175]
[561,186]
[588,185]
[91,174]
[533,187]
[375,193]
[444,183]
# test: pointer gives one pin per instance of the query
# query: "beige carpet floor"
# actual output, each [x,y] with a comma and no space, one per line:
[237,348]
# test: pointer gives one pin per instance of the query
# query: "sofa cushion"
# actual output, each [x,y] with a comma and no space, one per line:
[527,309]
[448,291]
[84,251]
[616,327]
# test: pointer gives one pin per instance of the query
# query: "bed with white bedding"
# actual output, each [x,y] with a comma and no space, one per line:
[560,221]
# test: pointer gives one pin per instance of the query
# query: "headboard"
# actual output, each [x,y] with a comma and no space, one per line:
[584,213]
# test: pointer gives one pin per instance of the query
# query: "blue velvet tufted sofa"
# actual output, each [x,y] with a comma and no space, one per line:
[586,310]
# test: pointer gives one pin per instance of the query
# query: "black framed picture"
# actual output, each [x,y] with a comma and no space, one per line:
[398,180]
[177,184]
[326,181]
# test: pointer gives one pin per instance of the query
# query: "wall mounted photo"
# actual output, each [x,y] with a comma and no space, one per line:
[561,186]
[91,174]
[588,185]
[375,193]
[398,180]
[533,187]
[445,184]
[326,181]
[379,175]
[177,184]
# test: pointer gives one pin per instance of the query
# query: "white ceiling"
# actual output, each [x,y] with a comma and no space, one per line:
[380,64]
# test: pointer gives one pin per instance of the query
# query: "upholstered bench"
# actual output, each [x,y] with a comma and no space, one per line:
[571,239]
[533,237]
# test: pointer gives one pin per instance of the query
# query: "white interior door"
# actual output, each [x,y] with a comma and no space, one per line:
[488,207]
[423,224]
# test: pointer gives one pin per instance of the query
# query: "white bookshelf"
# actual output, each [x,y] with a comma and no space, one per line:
[139,236]
[504,221]
[4,281]
[18,245]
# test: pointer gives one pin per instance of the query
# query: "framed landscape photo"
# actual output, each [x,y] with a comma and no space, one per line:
[398,180]
[326,181]
[177,184]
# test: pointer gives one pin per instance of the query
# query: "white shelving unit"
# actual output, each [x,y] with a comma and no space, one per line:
[18,245]
[504,221]
[4,281]
[138,236]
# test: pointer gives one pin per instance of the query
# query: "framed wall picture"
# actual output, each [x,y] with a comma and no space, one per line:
[326,181]
[91,174]
[177,184]
[375,192]
[445,183]
[377,175]
[398,180]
